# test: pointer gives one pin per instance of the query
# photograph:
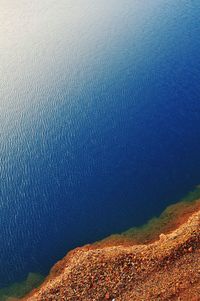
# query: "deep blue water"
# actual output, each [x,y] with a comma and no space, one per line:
[99,121]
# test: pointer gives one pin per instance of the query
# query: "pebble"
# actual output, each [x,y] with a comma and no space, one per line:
[107,296]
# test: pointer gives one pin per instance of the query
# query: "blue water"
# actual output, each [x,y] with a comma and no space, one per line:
[99,121]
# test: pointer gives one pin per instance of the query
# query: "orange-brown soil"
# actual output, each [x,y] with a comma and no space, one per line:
[167,268]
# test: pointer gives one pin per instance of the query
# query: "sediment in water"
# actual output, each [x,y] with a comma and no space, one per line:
[171,218]
[20,289]
[159,261]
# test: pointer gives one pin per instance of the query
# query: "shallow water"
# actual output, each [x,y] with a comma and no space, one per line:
[99,121]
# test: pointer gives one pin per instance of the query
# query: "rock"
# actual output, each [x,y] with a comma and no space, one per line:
[107,296]
[162,237]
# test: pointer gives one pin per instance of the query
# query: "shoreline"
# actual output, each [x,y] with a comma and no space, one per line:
[169,220]
[126,266]
[150,235]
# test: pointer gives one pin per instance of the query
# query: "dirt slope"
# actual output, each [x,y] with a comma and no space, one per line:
[166,269]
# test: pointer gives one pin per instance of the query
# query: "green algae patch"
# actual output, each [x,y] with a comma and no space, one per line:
[20,289]
[171,218]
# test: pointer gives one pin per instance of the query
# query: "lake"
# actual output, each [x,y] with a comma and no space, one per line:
[99,121]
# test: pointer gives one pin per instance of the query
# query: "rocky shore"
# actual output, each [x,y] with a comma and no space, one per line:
[165,267]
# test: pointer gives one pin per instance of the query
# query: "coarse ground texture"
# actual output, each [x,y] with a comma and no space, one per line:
[165,269]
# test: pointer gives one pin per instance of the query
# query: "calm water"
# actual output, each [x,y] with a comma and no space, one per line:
[99,121]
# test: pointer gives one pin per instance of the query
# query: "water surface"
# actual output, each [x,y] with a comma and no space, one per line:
[99,121]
